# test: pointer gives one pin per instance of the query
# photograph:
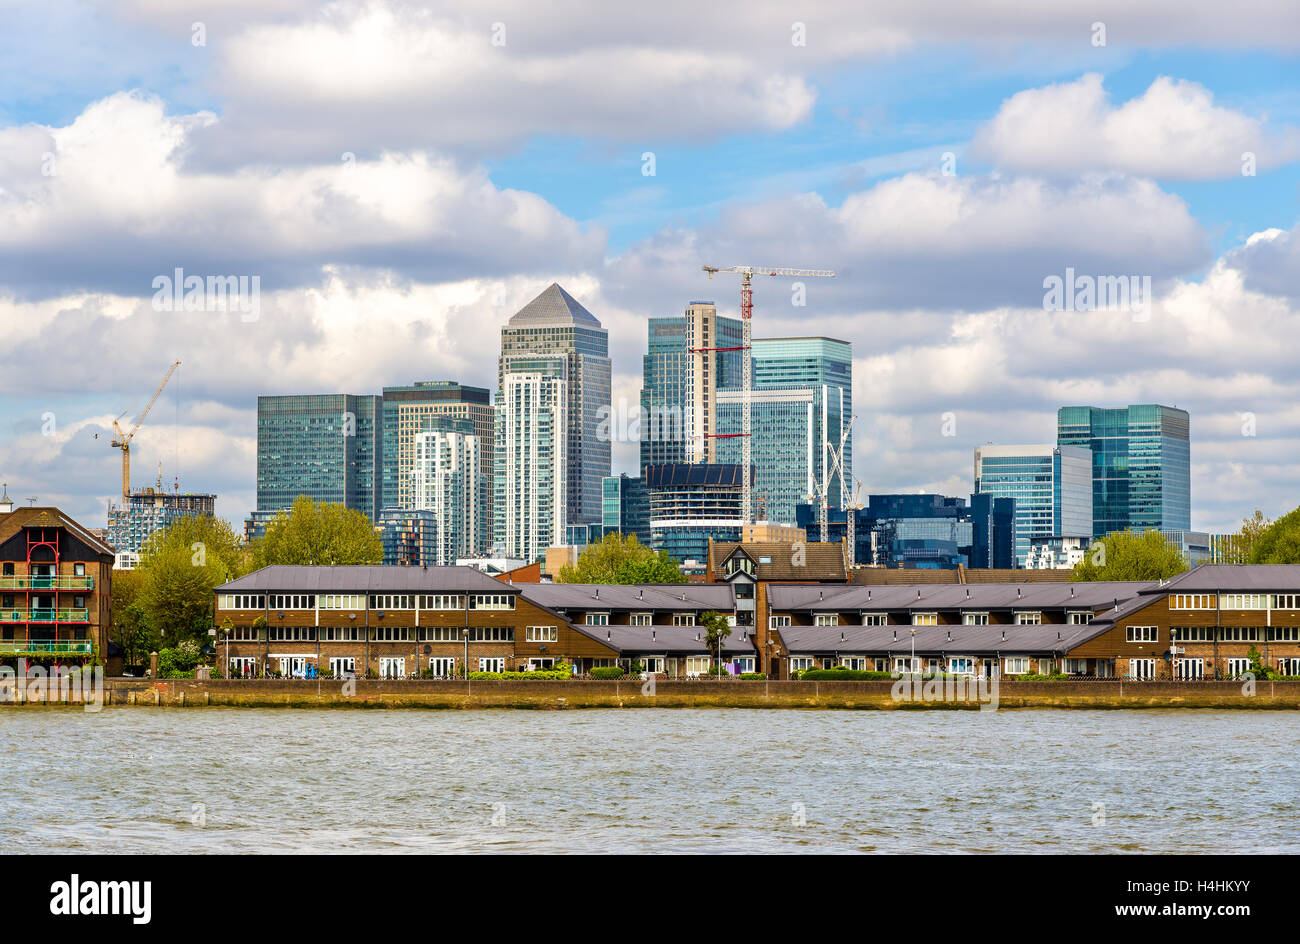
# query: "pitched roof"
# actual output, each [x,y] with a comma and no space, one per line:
[553,306]
[966,640]
[668,596]
[49,517]
[778,560]
[986,596]
[366,579]
[665,640]
[1237,577]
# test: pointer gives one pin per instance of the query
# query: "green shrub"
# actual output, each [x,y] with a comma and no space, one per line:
[754,676]
[485,676]
[841,674]
[608,672]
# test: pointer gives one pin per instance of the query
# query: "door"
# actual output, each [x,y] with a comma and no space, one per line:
[442,666]
[391,667]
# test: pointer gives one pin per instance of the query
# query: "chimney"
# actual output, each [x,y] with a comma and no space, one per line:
[6,503]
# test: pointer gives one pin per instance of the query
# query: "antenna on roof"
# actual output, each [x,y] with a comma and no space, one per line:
[1072,593]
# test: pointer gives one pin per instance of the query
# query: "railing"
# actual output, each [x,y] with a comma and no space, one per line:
[44,646]
[44,615]
[47,583]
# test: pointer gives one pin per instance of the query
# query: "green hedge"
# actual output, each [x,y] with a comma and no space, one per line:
[608,672]
[754,676]
[842,675]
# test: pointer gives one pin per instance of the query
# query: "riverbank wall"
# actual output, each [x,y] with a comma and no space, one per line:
[578,694]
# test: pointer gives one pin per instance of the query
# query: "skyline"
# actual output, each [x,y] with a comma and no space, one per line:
[393,266]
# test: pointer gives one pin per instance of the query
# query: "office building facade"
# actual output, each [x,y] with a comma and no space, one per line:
[556,327]
[1141,464]
[1052,486]
[626,506]
[691,504]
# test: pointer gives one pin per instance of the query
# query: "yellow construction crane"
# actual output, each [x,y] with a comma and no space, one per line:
[122,440]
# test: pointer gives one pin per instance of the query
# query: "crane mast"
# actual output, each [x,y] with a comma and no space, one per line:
[747,274]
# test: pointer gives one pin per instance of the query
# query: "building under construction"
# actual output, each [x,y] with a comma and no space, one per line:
[150,510]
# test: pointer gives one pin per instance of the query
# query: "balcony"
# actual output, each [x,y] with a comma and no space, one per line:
[45,647]
[25,582]
[44,615]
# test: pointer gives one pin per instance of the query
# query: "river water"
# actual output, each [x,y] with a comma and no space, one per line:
[132,780]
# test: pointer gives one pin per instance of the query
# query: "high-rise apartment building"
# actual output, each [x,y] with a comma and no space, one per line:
[1052,486]
[149,510]
[691,503]
[532,458]
[446,478]
[626,507]
[556,329]
[1141,464]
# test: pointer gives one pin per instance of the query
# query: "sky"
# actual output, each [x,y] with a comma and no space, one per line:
[402,177]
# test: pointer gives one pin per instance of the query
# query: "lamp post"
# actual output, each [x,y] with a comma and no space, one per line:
[912,665]
[465,635]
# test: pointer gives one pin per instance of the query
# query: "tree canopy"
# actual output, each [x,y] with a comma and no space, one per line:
[1279,542]
[320,533]
[180,567]
[1237,548]
[1131,555]
[621,558]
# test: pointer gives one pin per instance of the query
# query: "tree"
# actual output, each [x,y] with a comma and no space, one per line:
[621,558]
[1279,542]
[1237,548]
[716,629]
[180,567]
[1130,555]
[131,628]
[321,533]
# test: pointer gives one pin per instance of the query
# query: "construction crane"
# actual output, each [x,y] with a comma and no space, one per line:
[835,469]
[122,440]
[747,274]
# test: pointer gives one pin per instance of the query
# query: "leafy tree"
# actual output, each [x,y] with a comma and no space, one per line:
[131,628]
[716,630]
[1130,555]
[1279,542]
[1237,548]
[621,558]
[321,533]
[180,567]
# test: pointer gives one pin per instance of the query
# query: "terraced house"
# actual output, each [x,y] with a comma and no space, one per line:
[390,622]
[55,581]
[1201,624]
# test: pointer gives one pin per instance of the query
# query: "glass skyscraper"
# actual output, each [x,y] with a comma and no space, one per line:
[1052,486]
[690,503]
[1141,464]
[555,325]
[531,456]
[626,507]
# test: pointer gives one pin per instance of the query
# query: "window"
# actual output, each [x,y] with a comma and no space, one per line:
[1142,669]
[1287,601]
[1289,666]
[342,601]
[1238,667]
[542,634]
[697,665]
[597,619]
[79,570]
[925,619]
[442,666]
[1075,666]
[492,601]
[1046,666]
[291,633]
[244,634]
[1141,633]
[1029,618]
[491,664]
[1188,670]
[79,602]
[683,619]
[799,663]
[1016,666]
[1190,633]
[292,601]
[442,602]
[975,619]
[1284,634]
[440,634]
[1244,601]
[340,634]
[906,665]
[1079,618]
[390,601]
[874,619]
[827,619]
[778,622]
[1191,601]
[856,663]
[392,667]
[1239,633]
[242,601]
[243,667]
[639,619]
[960,665]
[491,634]
[653,665]
[390,634]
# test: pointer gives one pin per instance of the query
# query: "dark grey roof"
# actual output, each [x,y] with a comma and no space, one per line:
[366,579]
[1229,578]
[980,596]
[554,306]
[649,597]
[966,640]
[665,640]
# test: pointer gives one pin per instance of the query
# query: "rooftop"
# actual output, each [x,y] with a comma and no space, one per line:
[366,579]
[554,306]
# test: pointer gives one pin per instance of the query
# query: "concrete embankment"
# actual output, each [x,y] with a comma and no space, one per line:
[188,693]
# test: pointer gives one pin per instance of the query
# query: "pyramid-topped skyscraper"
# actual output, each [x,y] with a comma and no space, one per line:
[553,380]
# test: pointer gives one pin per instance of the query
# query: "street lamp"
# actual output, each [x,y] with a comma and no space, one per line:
[912,665]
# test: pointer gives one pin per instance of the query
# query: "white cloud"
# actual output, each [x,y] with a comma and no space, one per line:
[1173,130]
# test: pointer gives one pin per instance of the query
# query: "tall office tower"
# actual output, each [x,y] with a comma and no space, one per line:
[324,446]
[802,403]
[1052,486]
[689,358]
[1141,464]
[626,507]
[553,325]
[447,479]
[532,459]
[409,410]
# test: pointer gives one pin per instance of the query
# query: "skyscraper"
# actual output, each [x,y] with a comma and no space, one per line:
[1141,464]
[446,478]
[532,462]
[626,507]
[555,327]
[1052,486]
[802,403]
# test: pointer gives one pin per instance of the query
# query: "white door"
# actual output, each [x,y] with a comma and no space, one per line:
[392,667]
[1189,669]
[442,666]
[342,665]
[1142,668]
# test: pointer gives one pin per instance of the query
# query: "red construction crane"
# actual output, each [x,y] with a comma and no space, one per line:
[746,274]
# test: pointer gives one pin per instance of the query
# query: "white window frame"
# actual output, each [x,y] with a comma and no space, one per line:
[1142,634]
[975,619]
[1016,665]
[925,619]
[826,619]
[542,634]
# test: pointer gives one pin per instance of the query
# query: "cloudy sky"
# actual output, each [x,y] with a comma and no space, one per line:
[403,176]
